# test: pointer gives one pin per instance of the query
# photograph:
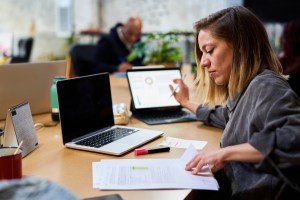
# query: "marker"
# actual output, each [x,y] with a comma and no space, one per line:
[143,151]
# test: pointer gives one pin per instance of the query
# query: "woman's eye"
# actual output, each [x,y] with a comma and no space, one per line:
[209,51]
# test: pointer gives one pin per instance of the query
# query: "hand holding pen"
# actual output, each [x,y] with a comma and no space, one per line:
[183,94]
[180,84]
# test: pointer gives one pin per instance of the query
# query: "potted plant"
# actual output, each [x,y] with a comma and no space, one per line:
[157,49]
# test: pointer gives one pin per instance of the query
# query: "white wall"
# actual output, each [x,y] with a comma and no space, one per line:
[19,17]
[23,18]
[161,15]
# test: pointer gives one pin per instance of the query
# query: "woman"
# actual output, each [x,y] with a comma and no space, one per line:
[260,148]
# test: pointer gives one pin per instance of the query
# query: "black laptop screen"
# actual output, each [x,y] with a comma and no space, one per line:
[85,105]
[149,88]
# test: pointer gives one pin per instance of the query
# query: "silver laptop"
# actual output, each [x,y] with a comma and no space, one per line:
[28,82]
[87,121]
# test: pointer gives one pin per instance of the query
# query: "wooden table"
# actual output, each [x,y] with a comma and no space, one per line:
[73,168]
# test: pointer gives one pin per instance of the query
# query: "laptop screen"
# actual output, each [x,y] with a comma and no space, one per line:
[149,88]
[85,105]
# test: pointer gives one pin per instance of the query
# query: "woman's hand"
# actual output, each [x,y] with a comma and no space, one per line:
[210,157]
[218,158]
[182,96]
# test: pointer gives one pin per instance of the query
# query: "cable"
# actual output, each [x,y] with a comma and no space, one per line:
[39,126]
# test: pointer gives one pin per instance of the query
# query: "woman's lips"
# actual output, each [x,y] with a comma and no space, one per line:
[212,74]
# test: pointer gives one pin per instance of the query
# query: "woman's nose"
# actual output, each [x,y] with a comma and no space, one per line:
[204,62]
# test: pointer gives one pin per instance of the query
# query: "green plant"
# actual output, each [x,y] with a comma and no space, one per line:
[157,48]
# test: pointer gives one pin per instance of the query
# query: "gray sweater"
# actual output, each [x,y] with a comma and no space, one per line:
[267,116]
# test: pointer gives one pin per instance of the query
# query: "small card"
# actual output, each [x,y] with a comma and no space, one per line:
[182,143]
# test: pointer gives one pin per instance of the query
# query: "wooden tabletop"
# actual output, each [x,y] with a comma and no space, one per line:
[73,168]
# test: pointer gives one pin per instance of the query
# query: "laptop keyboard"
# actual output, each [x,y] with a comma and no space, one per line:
[106,137]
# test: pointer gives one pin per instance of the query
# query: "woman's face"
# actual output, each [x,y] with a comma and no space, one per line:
[217,57]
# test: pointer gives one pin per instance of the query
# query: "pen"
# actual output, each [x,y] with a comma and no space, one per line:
[143,151]
[176,88]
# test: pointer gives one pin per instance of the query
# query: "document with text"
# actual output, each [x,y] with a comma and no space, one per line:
[135,174]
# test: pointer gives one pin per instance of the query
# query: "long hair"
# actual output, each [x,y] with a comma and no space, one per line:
[252,52]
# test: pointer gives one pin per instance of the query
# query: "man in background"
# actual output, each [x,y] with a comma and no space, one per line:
[112,49]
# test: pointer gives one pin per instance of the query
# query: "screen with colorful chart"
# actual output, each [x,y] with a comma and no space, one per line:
[150,88]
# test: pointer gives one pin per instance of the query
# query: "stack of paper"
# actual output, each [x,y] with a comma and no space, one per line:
[134,174]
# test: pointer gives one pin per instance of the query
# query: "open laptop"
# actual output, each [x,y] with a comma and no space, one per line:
[28,82]
[152,100]
[87,121]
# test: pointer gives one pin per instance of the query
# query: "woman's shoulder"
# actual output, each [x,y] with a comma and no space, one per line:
[269,79]
[268,84]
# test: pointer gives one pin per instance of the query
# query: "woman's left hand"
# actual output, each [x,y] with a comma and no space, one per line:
[211,157]
[219,157]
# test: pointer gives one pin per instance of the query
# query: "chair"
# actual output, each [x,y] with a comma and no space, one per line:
[81,58]
[24,50]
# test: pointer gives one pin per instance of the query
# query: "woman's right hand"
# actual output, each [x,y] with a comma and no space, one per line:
[182,96]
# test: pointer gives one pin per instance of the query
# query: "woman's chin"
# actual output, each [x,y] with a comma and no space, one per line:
[219,82]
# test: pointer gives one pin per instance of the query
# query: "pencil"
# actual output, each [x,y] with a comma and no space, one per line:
[18,147]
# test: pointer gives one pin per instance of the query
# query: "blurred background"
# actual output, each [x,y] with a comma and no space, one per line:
[34,30]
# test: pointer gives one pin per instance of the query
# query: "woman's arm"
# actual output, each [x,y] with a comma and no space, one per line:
[213,117]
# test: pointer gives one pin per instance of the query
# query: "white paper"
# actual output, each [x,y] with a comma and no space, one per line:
[182,143]
[134,174]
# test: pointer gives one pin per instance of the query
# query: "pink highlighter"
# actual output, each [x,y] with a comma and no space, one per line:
[143,151]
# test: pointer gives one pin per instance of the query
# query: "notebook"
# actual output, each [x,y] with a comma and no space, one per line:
[28,82]
[152,99]
[87,121]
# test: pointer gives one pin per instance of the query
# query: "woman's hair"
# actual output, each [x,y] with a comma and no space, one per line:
[252,52]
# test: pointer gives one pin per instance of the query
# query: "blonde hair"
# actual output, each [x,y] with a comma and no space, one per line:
[252,52]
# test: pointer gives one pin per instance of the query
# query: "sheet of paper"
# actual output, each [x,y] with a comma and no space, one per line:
[182,143]
[135,174]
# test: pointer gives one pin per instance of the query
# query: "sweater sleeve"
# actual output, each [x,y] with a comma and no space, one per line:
[213,117]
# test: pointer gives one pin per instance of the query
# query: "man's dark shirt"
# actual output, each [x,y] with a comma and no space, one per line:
[110,52]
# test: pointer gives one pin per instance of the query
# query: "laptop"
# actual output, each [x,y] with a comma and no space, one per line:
[87,120]
[28,82]
[152,99]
